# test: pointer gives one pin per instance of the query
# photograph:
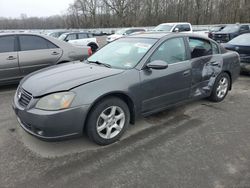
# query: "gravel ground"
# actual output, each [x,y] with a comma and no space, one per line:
[200,144]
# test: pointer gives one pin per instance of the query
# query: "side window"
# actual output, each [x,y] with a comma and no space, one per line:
[215,48]
[90,35]
[171,51]
[186,27]
[199,47]
[32,43]
[51,45]
[71,37]
[7,44]
[129,32]
[244,28]
[82,35]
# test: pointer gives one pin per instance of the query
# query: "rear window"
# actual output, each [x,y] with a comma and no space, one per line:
[242,40]
[183,27]
[200,47]
[7,44]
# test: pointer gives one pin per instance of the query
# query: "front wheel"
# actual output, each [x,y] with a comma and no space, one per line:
[221,87]
[107,121]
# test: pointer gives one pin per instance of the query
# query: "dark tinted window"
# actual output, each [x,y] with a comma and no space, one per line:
[200,47]
[7,44]
[244,28]
[71,37]
[183,27]
[171,51]
[34,43]
[82,35]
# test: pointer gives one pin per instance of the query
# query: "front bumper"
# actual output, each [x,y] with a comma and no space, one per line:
[51,125]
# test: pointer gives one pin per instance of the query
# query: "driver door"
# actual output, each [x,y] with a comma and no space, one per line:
[161,88]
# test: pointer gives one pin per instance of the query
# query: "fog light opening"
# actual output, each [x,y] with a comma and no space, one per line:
[40,132]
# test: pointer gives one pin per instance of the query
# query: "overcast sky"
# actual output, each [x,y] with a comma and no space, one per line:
[40,8]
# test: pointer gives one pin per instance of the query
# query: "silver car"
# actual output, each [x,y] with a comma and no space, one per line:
[21,54]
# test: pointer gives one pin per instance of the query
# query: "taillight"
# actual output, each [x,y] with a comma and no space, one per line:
[90,52]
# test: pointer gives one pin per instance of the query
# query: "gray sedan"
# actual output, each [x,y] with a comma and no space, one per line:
[21,54]
[132,76]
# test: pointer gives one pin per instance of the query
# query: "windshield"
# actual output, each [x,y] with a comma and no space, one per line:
[163,28]
[121,32]
[242,40]
[124,53]
[230,29]
[62,37]
[216,29]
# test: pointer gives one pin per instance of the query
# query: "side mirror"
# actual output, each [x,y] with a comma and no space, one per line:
[66,40]
[157,65]
[176,30]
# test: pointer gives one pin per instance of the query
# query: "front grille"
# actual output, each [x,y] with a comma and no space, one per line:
[24,97]
[221,37]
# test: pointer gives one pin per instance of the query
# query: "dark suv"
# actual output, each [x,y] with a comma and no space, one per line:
[229,32]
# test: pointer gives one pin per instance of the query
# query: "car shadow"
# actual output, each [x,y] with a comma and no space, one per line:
[8,87]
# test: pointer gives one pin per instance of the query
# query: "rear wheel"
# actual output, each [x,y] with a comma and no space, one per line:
[221,87]
[107,121]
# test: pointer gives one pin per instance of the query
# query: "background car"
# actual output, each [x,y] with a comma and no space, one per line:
[241,44]
[215,29]
[174,27]
[57,34]
[229,32]
[80,39]
[21,54]
[133,76]
[124,32]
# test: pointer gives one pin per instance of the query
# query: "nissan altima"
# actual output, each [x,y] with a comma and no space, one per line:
[131,77]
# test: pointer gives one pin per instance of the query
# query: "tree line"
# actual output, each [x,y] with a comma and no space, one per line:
[127,13]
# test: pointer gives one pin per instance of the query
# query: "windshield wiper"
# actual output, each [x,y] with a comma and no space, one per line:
[100,63]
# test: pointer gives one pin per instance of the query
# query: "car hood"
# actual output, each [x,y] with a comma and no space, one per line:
[115,36]
[64,77]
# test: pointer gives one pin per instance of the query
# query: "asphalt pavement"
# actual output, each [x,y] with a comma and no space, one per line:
[197,145]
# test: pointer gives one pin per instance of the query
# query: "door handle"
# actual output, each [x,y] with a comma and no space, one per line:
[54,53]
[215,63]
[11,58]
[186,73]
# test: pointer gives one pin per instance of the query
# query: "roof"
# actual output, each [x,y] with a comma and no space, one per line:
[20,33]
[159,35]
[156,35]
[174,23]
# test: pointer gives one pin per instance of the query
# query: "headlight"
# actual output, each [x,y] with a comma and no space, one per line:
[56,101]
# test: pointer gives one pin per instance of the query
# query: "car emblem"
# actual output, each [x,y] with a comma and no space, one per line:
[219,35]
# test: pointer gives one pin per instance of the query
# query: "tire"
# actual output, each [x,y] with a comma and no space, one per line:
[221,87]
[107,121]
[93,47]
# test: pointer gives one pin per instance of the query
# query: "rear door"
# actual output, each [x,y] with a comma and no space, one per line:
[161,88]
[9,69]
[36,52]
[206,64]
